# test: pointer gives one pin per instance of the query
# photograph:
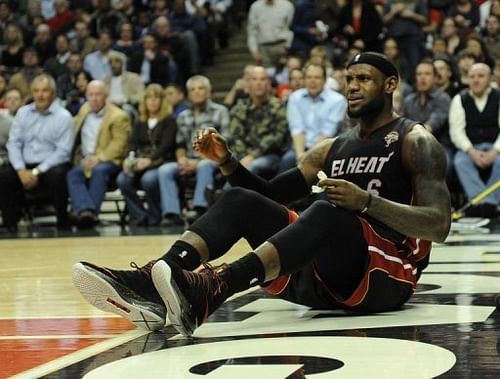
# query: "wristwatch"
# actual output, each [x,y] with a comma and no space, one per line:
[35,171]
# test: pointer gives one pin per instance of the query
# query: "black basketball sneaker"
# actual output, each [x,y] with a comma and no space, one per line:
[190,297]
[127,293]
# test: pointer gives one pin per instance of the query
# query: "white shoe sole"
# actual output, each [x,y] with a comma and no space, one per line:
[106,297]
[177,305]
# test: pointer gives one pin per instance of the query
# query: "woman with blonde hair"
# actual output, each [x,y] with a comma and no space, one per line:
[152,143]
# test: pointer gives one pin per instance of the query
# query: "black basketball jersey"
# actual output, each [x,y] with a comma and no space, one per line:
[374,164]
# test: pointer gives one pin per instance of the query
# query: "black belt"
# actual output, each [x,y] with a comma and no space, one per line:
[273,43]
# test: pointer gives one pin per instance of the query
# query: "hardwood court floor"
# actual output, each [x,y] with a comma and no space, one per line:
[450,328]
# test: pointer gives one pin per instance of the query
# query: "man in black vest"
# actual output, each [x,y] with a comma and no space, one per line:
[362,249]
[474,129]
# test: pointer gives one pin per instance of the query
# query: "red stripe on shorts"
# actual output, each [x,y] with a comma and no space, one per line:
[384,256]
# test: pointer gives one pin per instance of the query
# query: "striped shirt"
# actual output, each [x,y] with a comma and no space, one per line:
[45,138]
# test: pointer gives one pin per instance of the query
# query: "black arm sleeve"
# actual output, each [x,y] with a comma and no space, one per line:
[284,188]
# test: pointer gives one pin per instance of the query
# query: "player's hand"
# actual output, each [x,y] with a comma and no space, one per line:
[211,145]
[344,194]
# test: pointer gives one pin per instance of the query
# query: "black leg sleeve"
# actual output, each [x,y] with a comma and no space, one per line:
[329,237]
[239,213]
[283,188]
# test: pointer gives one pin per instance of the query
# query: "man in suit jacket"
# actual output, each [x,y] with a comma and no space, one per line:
[102,134]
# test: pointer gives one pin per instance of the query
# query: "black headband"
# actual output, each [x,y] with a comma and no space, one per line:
[376,60]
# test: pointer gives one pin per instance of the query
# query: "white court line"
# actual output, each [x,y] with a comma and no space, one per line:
[80,355]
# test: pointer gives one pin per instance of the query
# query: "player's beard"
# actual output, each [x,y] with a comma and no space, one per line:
[372,108]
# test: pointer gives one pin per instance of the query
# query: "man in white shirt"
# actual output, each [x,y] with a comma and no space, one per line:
[125,88]
[474,120]
[268,30]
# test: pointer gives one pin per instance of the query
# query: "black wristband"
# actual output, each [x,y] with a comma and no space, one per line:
[368,203]
[226,161]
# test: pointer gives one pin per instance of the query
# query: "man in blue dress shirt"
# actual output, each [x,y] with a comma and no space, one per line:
[39,147]
[314,113]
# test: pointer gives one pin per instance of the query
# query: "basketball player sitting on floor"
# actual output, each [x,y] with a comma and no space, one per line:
[362,249]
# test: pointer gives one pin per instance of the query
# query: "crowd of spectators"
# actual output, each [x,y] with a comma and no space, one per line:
[447,53]
[124,78]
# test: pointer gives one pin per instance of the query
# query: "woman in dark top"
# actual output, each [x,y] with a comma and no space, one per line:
[452,35]
[126,42]
[12,56]
[358,19]
[392,51]
[152,143]
[475,44]
[465,13]
[75,97]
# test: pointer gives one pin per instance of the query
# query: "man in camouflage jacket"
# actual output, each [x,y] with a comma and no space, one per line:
[258,129]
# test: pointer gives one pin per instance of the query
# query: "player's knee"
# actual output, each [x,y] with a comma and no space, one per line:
[240,197]
[321,212]
[242,201]
[322,208]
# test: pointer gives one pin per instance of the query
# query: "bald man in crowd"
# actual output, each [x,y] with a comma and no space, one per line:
[101,142]
[474,122]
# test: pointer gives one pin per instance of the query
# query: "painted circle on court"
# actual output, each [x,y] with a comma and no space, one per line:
[308,365]
[359,356]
